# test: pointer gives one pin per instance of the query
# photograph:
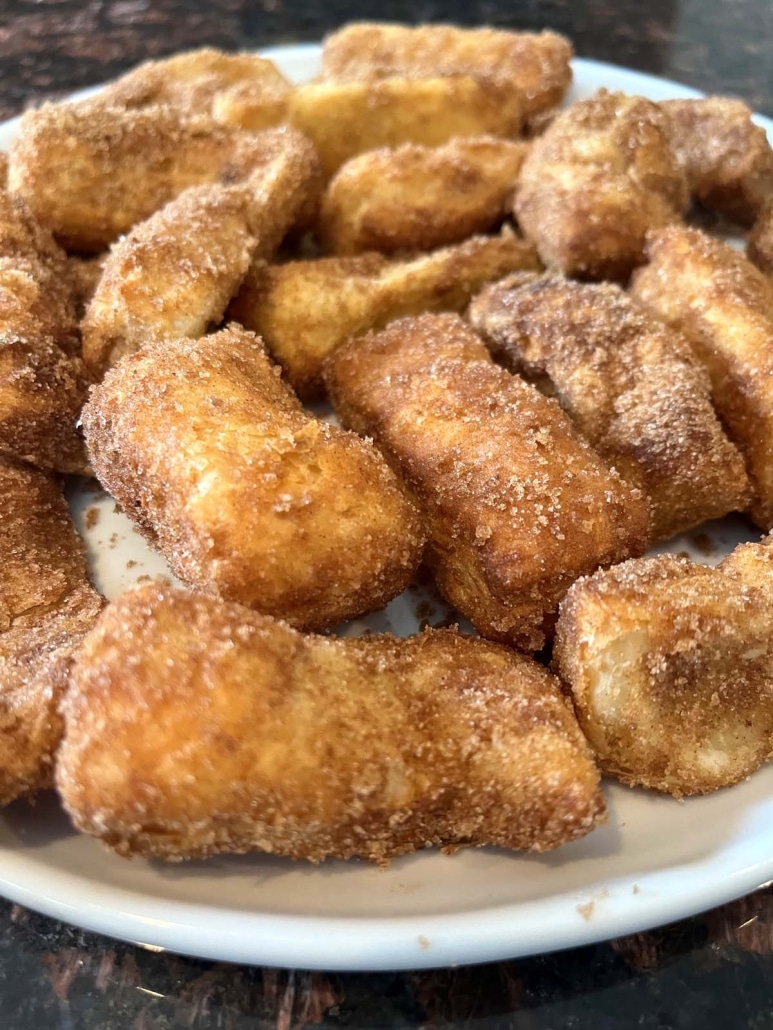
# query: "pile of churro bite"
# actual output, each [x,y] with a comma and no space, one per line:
[540,367]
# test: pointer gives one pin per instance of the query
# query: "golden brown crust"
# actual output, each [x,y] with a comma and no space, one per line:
[419,198]
[600,176]
[91,172]
[348,118]
[516,504]
[631,385]
[727,159]
[724,305]
[305,309]
[35,657]
[534,64]
[246,495]
[671,670]
[760,248]
[3,169]
[241,90]
[312,747]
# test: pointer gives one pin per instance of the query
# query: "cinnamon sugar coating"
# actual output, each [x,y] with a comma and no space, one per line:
[724,305]
[516,503]
[727,159]
[760,247]
[246,495]
[631,385]
[595,182]
[305,309]
[671,668]
[417,198]
[220,730]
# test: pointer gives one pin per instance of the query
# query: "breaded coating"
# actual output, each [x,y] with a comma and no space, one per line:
[35,657]
[599,178]
[175,273]
[671,670]
[43,382]
[305,309]
[418,198]
[246,495]
[727,159]
[348,118]
[631,385]
[724,305]
[535,64]
[220,730]
[516,503]
[242,90]
[92,172]
[760,247]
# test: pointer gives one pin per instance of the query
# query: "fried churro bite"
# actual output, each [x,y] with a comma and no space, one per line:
[344,119]
[418,198]
[246,495]
[46,607]
[3,169]
[600,177]
[43,382]
[631,385]
[724,305]
[727,159]
[241,90]
[304,310]
[760,247]
[175,273]
[671,669]
[516,503]
[312,747]
[91,172]
[535,64]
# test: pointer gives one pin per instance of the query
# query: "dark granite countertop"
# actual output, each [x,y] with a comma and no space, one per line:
[714,971]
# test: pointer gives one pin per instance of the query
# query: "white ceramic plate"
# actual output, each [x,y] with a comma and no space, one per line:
[657,860]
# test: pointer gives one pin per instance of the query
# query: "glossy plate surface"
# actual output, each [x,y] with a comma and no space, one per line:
[657,860]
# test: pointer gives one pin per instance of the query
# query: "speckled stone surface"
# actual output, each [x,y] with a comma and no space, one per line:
[714,972]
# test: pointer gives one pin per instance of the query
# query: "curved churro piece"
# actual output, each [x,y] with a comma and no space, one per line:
[314,747]
[46,606]
[760,247]
[727,159]
[43,383]
[91,172]
[724,305]
[242,90]
[174,274]
[671,669]
[516,504]
[246,495]
[600,177]
[348,118]
[535,64]
[305,309]
[418,198]
[631,385]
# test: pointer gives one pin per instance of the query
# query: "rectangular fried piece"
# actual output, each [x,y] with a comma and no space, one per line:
[241,90]
[246,495]
[671,668]
[417,198]
[760,247]
[314,747]
[305,309]
[631,385]
[598,179]
[516,503]
[347,118]
[724,305]
[175,273]
[727,159]
[536,64]
[122,165]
